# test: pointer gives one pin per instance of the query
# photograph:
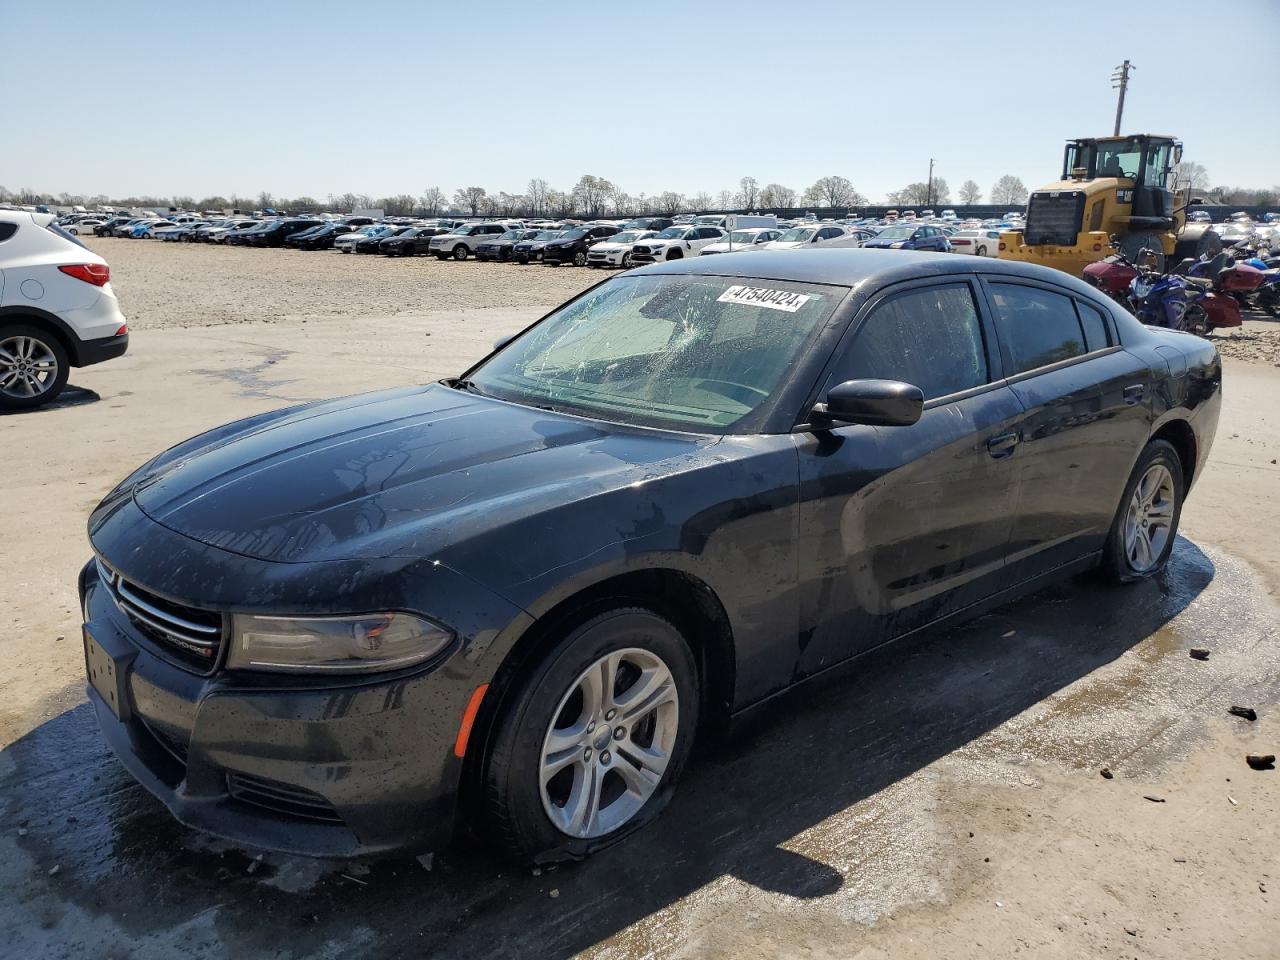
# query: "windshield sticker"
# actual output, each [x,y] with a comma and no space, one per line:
[764,297]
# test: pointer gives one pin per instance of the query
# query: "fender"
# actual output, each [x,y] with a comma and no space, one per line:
[70,341]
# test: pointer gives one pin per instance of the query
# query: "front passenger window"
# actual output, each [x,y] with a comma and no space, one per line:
[930,337]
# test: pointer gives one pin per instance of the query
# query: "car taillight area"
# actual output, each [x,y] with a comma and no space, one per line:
[98,274]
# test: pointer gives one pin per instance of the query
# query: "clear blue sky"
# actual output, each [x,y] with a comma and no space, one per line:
[317,97]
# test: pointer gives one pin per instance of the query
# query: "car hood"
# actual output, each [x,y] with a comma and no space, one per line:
[877,242]
[401,473]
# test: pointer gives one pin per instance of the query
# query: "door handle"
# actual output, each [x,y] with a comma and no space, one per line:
[1003,445]
[1134,393]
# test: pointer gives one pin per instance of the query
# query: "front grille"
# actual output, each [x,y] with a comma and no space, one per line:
[1054,217]
[281,798]
[191,636]
[641,250]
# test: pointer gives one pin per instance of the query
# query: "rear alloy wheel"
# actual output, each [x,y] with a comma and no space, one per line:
[590,745]
[33,367]
[460,252]
[1146,524]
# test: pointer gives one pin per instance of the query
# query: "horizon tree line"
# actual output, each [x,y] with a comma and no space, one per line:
[594,196]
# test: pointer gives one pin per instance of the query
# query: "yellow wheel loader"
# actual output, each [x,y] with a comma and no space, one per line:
[1119,187]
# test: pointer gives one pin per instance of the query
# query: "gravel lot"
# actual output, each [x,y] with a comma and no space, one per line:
[164,285]
[943,801]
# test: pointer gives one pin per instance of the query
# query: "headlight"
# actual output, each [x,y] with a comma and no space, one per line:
[362,643]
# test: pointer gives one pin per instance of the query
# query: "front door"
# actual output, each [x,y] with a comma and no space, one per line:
[899,526]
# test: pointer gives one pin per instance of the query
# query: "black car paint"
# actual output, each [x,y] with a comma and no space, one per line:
[565,250]
[813,545]
[408,244]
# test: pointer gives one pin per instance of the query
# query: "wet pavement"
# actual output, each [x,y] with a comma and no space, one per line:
[830,806]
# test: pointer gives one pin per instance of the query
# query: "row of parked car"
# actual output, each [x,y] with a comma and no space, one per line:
[600,243]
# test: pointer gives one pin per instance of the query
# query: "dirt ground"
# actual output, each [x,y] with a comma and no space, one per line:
[943,800]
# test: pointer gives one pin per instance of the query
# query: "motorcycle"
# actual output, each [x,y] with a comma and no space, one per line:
[1266,296]
[1112,276]
[1168,300]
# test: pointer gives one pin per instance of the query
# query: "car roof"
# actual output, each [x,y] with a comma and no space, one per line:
[858,266]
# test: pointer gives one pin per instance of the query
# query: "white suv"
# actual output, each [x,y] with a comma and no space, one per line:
[675,242]
[461,242]
[57,309]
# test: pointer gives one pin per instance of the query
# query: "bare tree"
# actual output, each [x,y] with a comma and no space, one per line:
[265,200]
[701,201]
[916,194]
[1009,191]
[590,194]
[834,191]
[970,192]
[775,195]
[537,191]
[432,200]
[749,192]
[559,204]
[1194,175]
[670,203]
[724,200]
[470,197]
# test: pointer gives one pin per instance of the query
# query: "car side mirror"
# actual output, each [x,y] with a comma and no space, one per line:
[502,342]
[881,403]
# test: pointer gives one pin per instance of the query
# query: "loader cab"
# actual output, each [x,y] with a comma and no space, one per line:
[1147,160]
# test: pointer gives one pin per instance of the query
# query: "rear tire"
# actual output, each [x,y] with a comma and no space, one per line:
[1132,245]
[615,770]
[31,359]
[1146,521]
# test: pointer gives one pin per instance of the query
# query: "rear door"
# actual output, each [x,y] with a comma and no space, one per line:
[1086,415]
[902,525]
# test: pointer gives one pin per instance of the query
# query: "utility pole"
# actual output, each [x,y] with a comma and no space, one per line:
[1120,81]
[928,201]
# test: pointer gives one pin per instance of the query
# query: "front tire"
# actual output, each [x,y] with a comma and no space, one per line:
[33,367]
[580,258]
[1146,522]
[592,741]
[982,251]
[460,252]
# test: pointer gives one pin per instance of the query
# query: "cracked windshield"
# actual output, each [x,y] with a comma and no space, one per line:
[701,353]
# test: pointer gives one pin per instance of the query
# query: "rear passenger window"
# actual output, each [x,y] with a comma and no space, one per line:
[1036,327]
[930,337]
[1095,327]
[7,230]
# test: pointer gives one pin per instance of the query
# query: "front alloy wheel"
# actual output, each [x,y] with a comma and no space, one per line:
[589,741]
[609,744]
[460,252]
[580,258]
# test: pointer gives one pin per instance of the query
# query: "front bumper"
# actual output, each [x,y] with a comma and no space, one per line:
[328,766]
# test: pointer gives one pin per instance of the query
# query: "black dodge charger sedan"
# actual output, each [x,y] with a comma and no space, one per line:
[518,595]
